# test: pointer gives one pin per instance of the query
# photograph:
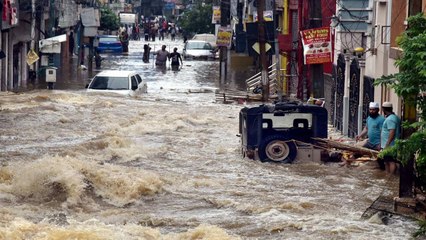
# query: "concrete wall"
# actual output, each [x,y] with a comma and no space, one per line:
[378,60]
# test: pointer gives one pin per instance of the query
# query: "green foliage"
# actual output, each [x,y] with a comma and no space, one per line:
[198,19]
[409,83]
[109,21]
[422,230]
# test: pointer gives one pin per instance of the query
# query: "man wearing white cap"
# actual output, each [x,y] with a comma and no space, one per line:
[390,132]
[373,128]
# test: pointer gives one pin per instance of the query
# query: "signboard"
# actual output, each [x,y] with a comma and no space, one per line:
[32,57]
[127,18]
[90,31]
[216,15]
[224,37]
[256,47]
[317,45]
[9,14]
[268,16]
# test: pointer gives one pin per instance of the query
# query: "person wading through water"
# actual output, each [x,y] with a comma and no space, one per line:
[146,51]
[162,56]
[176,59]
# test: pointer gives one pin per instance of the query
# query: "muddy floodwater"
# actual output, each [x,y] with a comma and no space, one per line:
[166,165]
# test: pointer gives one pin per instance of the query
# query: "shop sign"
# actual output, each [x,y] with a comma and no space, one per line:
[317,47]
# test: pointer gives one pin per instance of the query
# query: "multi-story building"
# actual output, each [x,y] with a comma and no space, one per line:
[364,36]
[23,24]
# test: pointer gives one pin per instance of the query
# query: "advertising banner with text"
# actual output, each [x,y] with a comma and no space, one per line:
[224,37]
[216,15]
[317,45]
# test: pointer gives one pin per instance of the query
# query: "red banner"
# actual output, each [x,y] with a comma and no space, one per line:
[317,45]
[6,10]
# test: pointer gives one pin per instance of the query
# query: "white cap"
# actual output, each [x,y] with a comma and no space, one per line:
[374,105]
[387,104]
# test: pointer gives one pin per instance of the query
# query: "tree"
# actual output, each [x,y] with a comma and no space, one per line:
[109,21]
[410,84]
[197,19]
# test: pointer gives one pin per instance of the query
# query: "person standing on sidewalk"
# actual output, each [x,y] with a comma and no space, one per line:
[372,129]
[390,132]
[71,44]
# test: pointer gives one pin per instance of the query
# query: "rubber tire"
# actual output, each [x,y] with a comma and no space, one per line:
[285,150]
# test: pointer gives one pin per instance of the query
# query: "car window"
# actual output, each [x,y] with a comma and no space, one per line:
[134,82]
[286,121]
[138,78]
[208,38]
[110,83]
[198,45]
[108,39]
[207,46]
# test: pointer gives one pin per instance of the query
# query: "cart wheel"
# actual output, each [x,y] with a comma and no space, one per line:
[277,148]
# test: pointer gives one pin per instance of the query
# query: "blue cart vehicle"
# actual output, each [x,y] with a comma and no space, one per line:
[283,132]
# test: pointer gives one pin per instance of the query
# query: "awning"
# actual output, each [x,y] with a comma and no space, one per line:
[52,40]
[52,45]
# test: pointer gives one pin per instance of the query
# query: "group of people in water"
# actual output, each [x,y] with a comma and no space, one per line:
[162,56]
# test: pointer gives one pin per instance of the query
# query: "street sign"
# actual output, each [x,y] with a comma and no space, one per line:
[256,47]
[32,57]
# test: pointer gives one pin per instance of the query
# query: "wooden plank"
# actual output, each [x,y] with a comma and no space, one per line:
[347,147]
[229,95]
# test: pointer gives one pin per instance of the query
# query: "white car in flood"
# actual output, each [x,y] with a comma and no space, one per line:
[198,49]
[121,82]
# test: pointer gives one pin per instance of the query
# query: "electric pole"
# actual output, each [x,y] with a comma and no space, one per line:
[223,54]
[262,41]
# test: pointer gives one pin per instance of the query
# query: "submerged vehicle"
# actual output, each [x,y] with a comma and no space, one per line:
[198,49]
[119,82]
[283,132]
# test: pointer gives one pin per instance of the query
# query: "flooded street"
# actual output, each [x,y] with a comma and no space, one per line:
[166,165]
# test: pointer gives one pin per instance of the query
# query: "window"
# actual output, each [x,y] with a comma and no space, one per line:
[134,83]
[198,45]
[108,39]
[138,78]
[287,120]
[110,83]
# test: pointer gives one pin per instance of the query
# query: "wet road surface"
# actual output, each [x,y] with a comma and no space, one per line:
[165,165]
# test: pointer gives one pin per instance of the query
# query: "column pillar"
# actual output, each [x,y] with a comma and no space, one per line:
[345,118]
[361,93]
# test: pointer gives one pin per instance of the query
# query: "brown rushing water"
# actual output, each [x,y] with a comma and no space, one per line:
[165,165]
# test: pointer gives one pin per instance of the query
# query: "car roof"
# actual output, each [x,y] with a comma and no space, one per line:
[203,41]
[107,36]
[204,35]
[115,73]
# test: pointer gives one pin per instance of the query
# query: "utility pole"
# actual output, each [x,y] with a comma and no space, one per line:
[223,54]
[278,76]
[33,22]
[262,40]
